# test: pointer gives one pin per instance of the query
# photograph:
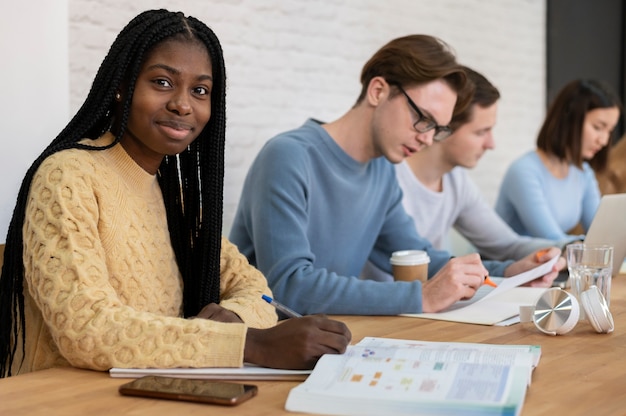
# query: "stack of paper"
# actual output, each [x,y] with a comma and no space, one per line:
[247,372]
[381,376]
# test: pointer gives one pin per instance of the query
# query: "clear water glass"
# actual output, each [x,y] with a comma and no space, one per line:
[590,265]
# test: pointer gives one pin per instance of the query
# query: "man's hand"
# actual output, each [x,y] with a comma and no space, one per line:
[459,279]
[533,260]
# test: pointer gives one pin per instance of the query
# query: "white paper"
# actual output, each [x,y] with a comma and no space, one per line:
[491,306]
[523,278]
[247,372]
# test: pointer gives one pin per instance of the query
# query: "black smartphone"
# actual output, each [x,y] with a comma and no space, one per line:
[202,391]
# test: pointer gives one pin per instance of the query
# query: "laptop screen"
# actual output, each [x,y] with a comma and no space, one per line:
[609,227]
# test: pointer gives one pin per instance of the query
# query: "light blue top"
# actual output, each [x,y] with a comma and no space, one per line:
[535,203]
[310,217]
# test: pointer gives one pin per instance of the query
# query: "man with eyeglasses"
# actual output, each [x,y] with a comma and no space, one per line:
[321,200]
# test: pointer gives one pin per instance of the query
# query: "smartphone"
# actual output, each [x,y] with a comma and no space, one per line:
[202,391]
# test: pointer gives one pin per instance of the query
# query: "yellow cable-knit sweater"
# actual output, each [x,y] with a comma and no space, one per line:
[102,288]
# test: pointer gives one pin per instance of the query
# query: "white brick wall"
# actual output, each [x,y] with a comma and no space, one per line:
[287,60]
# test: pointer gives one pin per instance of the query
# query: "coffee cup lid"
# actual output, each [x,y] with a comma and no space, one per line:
[409,257]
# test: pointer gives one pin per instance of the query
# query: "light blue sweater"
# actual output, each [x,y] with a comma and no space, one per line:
[310,217]
[535,203]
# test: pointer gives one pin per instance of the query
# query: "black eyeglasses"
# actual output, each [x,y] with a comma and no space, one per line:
[424,124]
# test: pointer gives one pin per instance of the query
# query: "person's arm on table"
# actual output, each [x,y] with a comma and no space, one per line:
[492,237]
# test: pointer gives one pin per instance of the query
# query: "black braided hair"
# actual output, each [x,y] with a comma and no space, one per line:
[191,182]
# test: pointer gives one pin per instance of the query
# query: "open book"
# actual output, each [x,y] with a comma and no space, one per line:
[381,376]
[247,372]
[491,306]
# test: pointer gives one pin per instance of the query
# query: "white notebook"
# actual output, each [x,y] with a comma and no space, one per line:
[247,372]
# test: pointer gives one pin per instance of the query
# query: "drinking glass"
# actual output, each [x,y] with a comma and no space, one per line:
[590,265]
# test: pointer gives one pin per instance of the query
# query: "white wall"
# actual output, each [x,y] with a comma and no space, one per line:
[292,59]
[35,89]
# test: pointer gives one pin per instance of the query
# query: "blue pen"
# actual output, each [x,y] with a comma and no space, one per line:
[280,307]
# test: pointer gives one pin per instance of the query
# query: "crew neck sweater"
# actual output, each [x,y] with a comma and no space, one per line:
[536,203]
[310,217]
[102,286]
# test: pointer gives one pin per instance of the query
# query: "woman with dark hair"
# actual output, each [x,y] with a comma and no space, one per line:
[550,190]
[116,236]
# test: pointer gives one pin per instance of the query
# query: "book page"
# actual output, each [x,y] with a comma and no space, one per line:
[381,375]
[453,351]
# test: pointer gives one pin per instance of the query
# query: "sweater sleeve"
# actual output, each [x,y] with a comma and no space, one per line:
[242,286]
[483,227]
[92,323]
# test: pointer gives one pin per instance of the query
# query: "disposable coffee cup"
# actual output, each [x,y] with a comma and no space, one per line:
[410,265]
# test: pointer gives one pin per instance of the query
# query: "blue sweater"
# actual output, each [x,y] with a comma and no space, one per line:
[535,203]
[310,217]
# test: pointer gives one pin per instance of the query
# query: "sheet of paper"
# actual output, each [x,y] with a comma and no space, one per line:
[522,278]
[491,306]
[508,322]
[488,311]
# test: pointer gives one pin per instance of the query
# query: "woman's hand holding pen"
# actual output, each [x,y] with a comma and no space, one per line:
[459,279]
[296,343]
[293,344]
[533,260]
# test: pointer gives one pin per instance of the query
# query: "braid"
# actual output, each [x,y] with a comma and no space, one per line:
[191,183]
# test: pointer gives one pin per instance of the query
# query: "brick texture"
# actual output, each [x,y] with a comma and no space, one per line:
[288,60]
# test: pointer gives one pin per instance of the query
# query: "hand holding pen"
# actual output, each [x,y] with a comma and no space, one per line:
[282,308]
[489,282]
[539,254]
[295,343]
[538,258]
[458,279]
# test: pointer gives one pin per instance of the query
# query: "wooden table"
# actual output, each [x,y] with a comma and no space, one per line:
[580,373]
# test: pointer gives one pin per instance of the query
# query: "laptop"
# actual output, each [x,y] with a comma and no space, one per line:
[609,227]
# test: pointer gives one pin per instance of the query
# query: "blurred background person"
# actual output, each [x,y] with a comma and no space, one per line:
[550,190]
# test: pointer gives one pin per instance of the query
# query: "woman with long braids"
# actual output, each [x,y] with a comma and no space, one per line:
[115,241]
